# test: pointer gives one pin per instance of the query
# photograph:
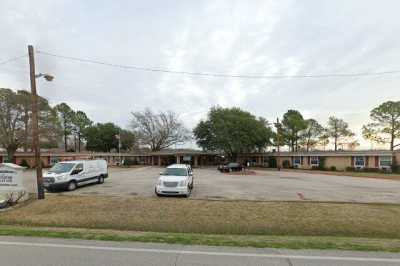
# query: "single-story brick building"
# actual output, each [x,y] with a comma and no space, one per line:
[304,160]
[339,159]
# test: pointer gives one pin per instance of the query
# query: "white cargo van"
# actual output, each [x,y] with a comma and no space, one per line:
[70,174]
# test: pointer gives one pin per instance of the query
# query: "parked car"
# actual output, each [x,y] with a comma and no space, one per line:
[177,179]
[69,175]
[230,167]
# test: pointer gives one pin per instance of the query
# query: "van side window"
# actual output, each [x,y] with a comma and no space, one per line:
[79,168]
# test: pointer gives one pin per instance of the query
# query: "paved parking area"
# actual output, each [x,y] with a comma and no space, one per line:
[264,185]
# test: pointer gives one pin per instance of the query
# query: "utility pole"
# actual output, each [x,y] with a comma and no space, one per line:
[35,124]
[119,147]
[278,139]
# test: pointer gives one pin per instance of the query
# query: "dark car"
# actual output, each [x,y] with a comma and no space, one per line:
[230,167]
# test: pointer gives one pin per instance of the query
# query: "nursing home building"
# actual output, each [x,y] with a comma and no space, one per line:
[302,159]
[340,159]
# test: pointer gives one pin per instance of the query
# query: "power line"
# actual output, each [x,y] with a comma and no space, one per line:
[220,75]
[12,59]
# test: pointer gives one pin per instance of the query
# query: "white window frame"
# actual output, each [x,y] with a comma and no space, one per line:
[294,161]
[355,162]
[385,166]
[316,158]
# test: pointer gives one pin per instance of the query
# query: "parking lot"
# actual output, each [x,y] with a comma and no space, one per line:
[264,185]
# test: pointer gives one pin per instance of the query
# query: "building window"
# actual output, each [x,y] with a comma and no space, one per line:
[385,161]
[314,160]
[359,161]
[296,160]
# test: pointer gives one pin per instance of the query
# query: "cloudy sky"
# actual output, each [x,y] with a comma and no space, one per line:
[230,37]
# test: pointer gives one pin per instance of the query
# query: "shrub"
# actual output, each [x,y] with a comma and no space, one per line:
[396,168]
[130,161]
[272,162]
[24,163]
[350,169]
[321,165]
[333,168]
[371,170]
[286,164]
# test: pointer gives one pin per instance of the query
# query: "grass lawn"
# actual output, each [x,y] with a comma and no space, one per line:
[229,223]
[257,241]
[179,215]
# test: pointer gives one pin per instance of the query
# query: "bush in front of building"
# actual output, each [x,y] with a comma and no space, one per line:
[369,170]
[395,168]
[332,168]
[321,165]
[286,164]
[373,170]
[272,162]
[24,163]
[129,162]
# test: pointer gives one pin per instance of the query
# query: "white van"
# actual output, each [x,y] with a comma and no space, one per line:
[177,179]
[70,174]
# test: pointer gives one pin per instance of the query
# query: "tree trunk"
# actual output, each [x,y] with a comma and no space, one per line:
[392,136]
[392,141]
[336,143]
[233,157]
[79,142]
[65,134]
[10,153]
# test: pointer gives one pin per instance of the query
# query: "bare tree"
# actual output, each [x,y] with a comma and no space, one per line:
[158,130]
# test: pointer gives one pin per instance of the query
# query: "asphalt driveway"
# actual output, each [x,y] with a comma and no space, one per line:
[264,185]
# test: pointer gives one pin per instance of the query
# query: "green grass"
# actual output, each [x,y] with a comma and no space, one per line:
[319,225]
[174,215]
[289,242]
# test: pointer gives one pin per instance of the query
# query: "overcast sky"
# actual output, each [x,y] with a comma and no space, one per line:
[231,37]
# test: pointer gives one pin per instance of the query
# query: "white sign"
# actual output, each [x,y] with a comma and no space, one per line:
[11,177]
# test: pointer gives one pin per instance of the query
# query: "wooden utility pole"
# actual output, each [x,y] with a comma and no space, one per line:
[278,139]
[35,124]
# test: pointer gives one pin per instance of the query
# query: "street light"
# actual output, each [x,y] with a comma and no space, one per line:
[46,76]
[278,140]
[35,123]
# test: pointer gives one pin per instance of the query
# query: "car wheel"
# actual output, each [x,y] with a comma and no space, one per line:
[72,186]
[157,194]
[189,192]
[101,180]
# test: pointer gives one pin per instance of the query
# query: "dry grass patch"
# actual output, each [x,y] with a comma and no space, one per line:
[210,217]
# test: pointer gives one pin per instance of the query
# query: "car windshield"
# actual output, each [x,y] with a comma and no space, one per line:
[61,168]
[176,171]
